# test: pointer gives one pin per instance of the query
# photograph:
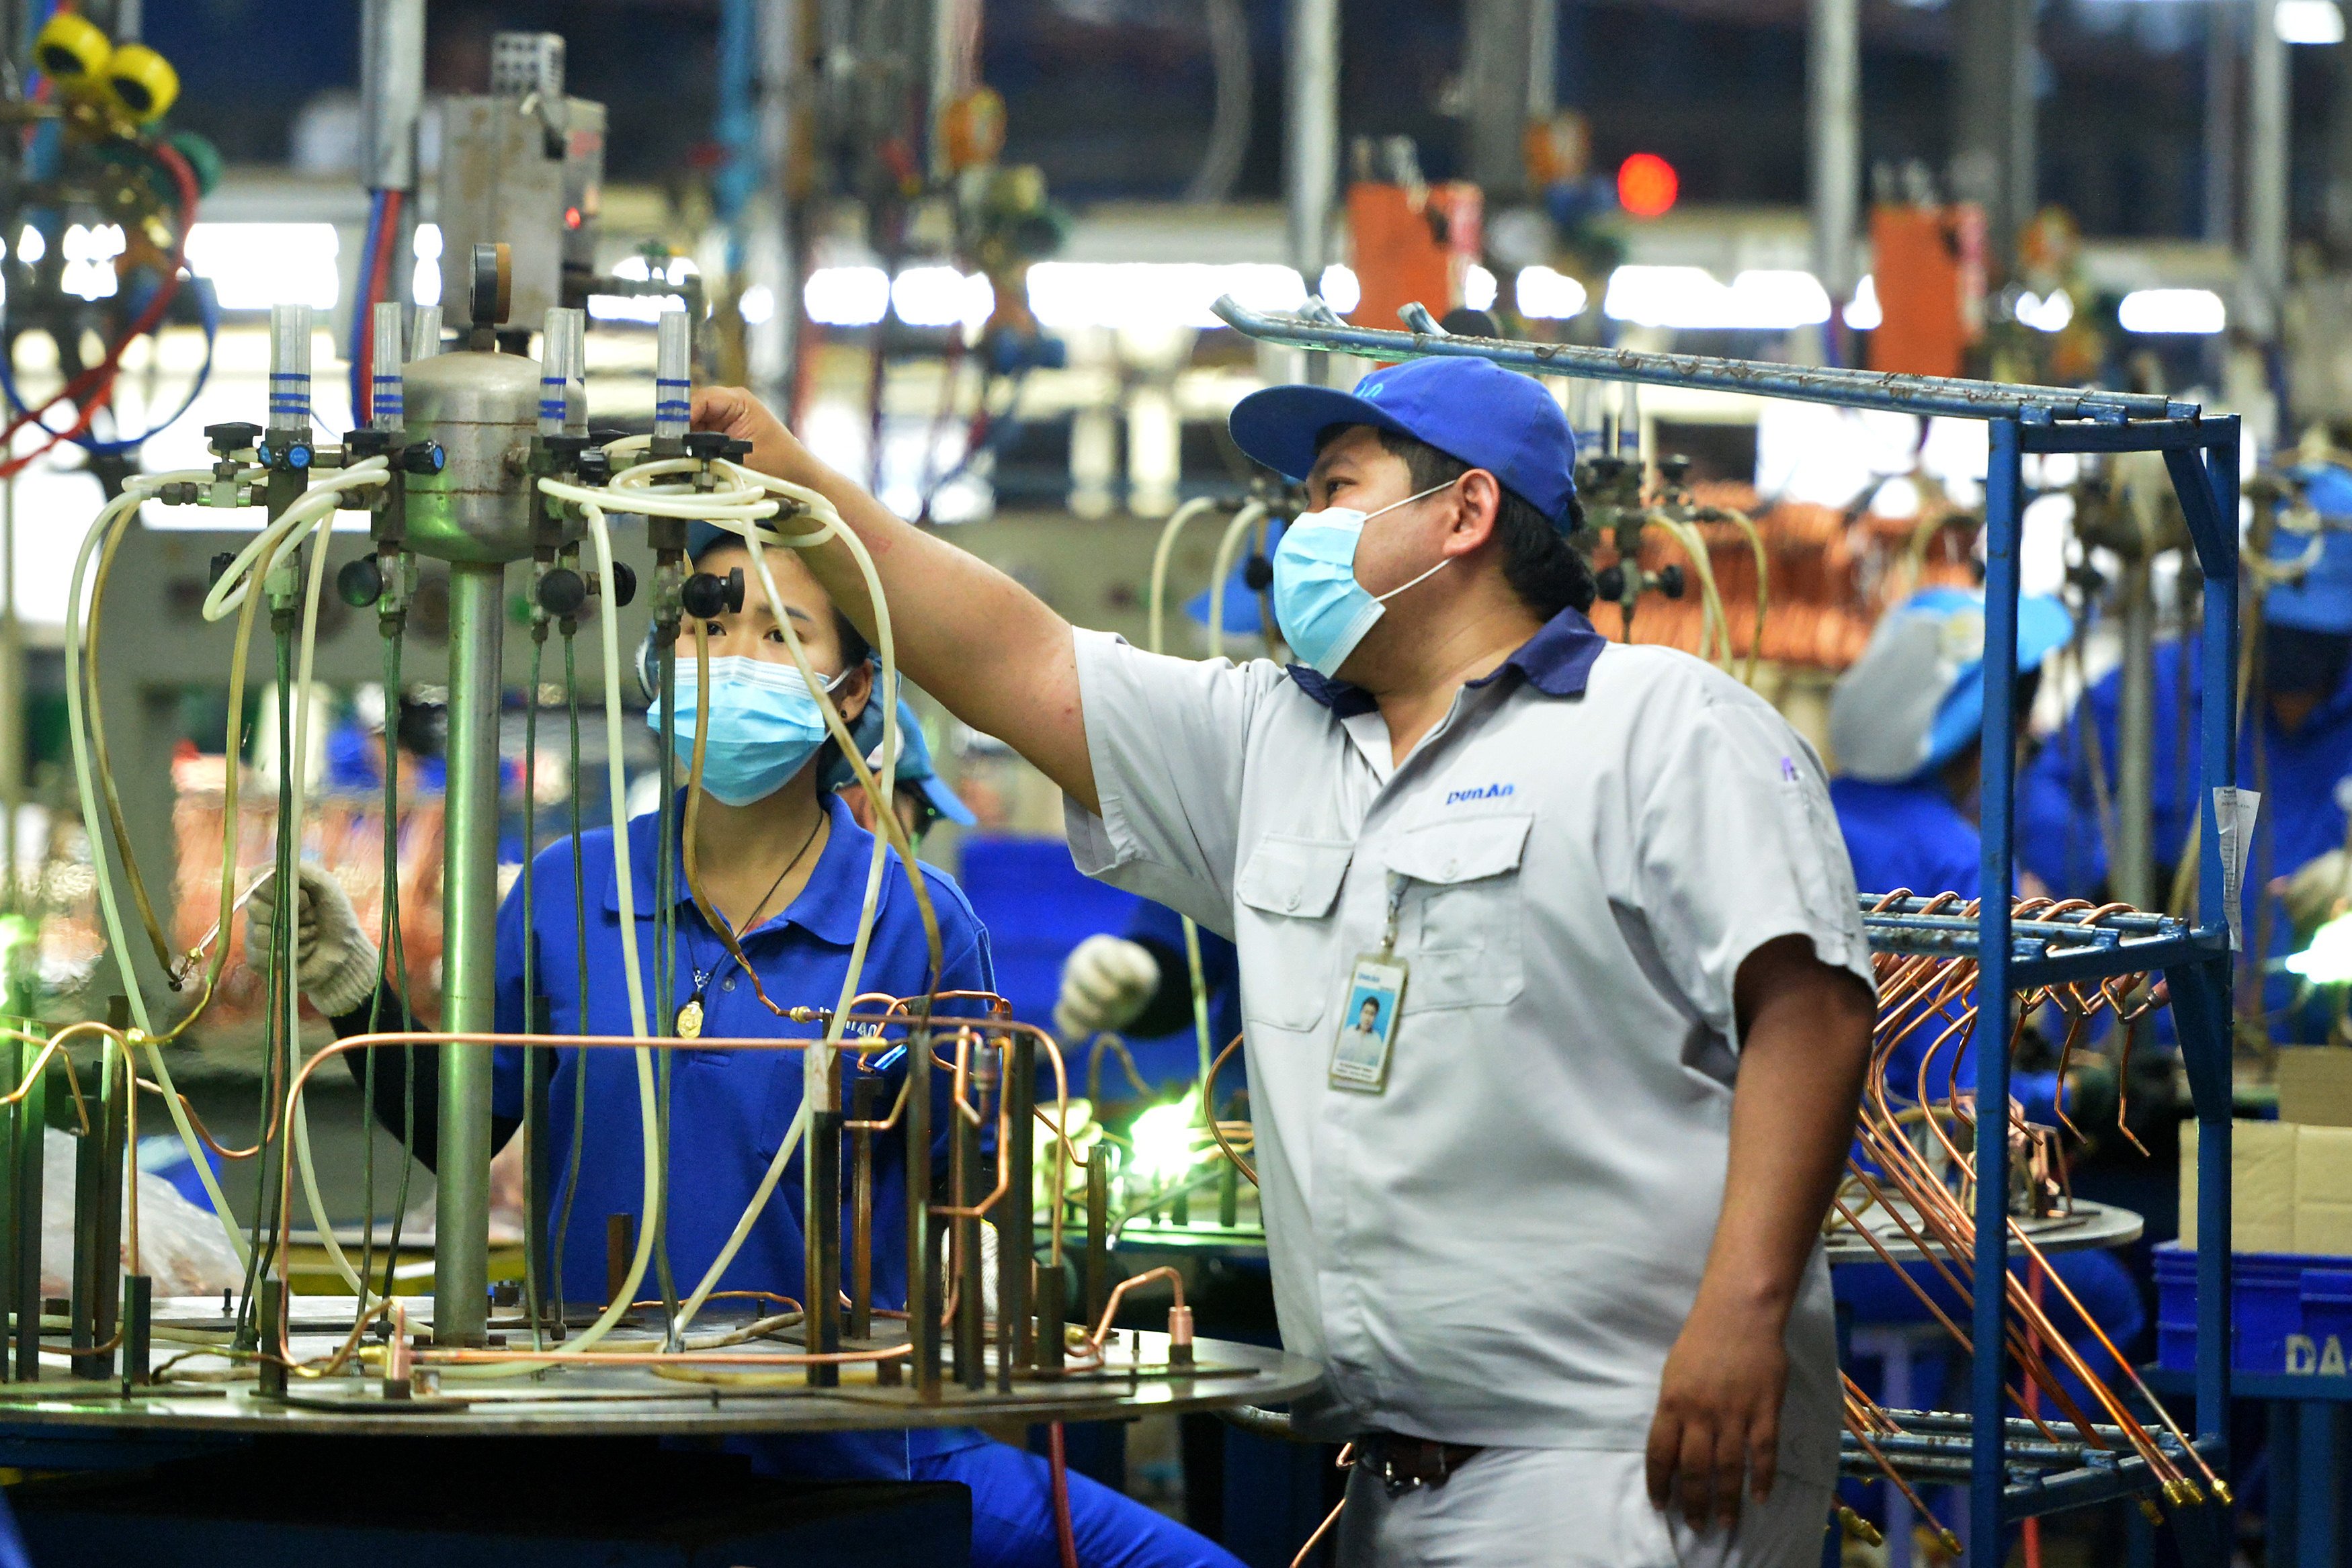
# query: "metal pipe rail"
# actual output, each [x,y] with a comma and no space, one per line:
[2047,949]
[1811,383]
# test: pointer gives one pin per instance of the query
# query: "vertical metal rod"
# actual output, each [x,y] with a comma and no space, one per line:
[32,1125]
[2133,871]
[290,371]
[821,1164]
[2004,485]
[924,1289]
[2269,87]
[99,1286]
[13,1309]
[2213,1110]
[392,92]
[469,961]
[1543,59]
[865,1102]
[1051,1286]
[1833,138]
[1098,1235]
[1311,141]
[968,1180]
[388,402]
[2221,122]
[539,1181]
[1016,1230]
[138,1320]
[271,1371]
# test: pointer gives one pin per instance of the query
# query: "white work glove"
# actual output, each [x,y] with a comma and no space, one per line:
[334,963]
[1106,981]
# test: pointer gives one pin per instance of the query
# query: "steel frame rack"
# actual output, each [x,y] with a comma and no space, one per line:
[2201,454]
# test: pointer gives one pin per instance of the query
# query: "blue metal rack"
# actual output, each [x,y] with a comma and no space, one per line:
[2201,453]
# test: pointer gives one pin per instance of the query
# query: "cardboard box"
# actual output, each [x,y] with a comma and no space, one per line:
[2290,1188]
[2262,1186]
[2314,1085]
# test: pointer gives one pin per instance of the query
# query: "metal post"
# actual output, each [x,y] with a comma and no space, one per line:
[2221,122]
[865,1103]
[924,1288]
[2132,874]
[1543,59]
[392,92]
[32,1128]
[967,1180]
[2267,89]
[1993,128]
[1834,139]
[2004,485]
[1016,1231]
[821,1168]
[469,961]
[1495,94]
[1311,139]
[1098,1279]
[767,252]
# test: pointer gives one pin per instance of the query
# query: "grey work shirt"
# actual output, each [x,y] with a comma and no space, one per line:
[1502,1246]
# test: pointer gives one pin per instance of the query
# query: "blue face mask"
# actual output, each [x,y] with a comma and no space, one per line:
[1323,611]
[764,725]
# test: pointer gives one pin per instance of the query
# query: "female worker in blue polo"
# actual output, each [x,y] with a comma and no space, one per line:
[782,860]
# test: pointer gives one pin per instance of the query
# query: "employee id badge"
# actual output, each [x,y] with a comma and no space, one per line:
[1360,1061]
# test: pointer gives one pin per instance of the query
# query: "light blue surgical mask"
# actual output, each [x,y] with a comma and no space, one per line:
[1323,611]
[764,725]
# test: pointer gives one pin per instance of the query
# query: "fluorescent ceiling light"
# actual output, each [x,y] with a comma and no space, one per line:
[1862,312]
[256,266]
[1479,289]
[757,305]
[846,296]
[1067,294]
[2157,311]
[1544,295]
[942,296]
[2308,22]
[2049,315]
[1692,298]
[1339,289]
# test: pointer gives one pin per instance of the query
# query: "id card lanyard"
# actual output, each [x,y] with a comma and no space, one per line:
[1359,1058]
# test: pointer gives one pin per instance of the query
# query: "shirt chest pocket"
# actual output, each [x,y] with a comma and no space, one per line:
[1465,912]
[1286,891]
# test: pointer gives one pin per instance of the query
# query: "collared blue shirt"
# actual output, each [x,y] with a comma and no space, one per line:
[728,1109]
[1911,835]
[1557,660]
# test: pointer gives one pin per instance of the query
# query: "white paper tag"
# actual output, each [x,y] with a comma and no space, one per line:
[2233,812]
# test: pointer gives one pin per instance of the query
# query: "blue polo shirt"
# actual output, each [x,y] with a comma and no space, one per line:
[728,1109]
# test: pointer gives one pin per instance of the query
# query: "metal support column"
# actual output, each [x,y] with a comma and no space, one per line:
[2132,875]
[1833,142]
[1494,66]
[468,965]
[1311,141]
[2220,150]
[2267,93]
[392,92]
[2004,502]
[1993,137]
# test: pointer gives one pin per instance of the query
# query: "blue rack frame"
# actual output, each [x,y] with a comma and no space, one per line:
[2201,454]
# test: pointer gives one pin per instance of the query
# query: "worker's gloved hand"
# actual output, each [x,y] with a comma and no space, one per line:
[1106,981]
[2317,891]
[334,963]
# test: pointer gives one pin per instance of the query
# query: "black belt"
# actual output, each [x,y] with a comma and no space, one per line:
[1404,1463]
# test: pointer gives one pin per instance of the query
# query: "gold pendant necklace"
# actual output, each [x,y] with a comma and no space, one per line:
[690,1018]
[687,1025]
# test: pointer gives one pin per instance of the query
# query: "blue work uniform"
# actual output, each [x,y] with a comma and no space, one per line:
[2304,778]
[729,1111]
[1910,834]
[1173,1056]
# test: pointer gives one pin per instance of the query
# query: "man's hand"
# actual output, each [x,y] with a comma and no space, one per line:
[737,413]
[1718,1413]
[1805,1040]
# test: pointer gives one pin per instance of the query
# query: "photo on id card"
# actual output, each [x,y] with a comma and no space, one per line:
[1368,1029]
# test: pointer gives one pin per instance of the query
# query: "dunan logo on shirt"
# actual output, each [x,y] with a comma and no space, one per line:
[1480,792]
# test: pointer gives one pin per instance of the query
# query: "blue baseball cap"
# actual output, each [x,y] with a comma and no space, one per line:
[1470,408]
[1915,697]
[914,762]
[2321,599]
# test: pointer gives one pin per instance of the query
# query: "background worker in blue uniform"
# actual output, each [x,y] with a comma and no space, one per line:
[785,863]
[2295,747]
[1906,724]
[922,799]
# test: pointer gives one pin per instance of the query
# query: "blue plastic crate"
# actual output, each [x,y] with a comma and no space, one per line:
[2291,1312]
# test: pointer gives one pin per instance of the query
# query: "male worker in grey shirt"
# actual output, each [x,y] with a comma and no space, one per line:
[1553,1226]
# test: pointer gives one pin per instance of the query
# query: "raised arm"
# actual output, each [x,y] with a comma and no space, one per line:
[992,652]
